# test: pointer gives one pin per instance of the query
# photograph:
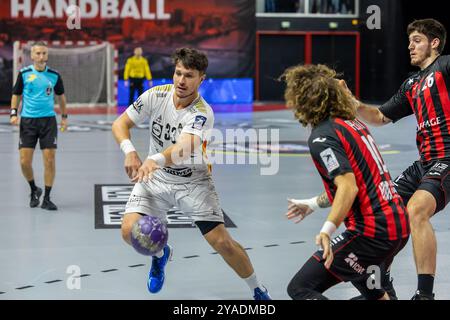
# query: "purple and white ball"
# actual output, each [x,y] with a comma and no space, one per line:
[149,235]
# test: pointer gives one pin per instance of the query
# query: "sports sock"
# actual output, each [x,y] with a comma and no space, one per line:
[425,283]
[47,192]
[253,282]
[32,185]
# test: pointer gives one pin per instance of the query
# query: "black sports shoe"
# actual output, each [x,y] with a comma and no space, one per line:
[387,286]
[422,296]
[34,197]
[48,205]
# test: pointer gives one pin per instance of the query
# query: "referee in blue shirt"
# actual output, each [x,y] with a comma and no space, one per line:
[36,85]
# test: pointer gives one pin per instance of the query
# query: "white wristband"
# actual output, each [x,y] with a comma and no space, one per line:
[328,228]
[312,203]
[158,158]
[126,146]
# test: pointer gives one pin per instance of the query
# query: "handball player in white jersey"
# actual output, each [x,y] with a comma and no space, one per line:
[176,172]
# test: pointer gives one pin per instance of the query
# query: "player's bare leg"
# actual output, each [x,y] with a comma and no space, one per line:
[236,257]
[421,208]
[231,251]
[127,223]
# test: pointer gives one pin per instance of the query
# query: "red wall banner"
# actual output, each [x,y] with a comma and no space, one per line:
[224,29]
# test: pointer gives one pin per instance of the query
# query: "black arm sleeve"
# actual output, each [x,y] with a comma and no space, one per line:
[446,60]
[398,106]
[59,86]
[327,150]
[18,87]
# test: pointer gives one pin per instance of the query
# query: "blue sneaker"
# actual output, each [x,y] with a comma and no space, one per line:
[156,275]
[261,294]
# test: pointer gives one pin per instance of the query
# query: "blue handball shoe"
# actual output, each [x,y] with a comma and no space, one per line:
[261,294]
[156,275]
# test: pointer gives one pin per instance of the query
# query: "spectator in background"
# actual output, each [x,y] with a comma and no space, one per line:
[347,6]
[269,6]
[136,69]
[286,5]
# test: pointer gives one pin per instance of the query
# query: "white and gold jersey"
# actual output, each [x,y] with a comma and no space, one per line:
[167,123]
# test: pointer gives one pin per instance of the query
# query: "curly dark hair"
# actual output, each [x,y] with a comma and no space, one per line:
[191,59]
[314,94]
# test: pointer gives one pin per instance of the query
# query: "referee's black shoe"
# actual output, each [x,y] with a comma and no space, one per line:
[48,205]
[34,197]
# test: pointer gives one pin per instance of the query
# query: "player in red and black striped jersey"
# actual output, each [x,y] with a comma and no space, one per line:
[340,146]
[425,185]
[357,183]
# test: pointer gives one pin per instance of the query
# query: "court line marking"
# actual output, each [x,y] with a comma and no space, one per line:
[139,265]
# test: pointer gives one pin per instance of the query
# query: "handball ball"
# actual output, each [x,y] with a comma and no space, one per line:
[149,235]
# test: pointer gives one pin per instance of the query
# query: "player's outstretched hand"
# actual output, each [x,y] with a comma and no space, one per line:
[132,164]
[298,209]
[323,240]
[145,172]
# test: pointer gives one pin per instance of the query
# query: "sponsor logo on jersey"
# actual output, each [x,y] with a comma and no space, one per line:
[438,169]
[137,105]
[31,78]
[412,82]
[157,129]
[319,140]
[429,123]
[134,201]
[386,188]
[351,260]
[329,159]
[199,122]
[184,172]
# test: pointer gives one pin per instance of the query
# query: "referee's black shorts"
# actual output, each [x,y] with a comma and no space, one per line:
[43,129]
[433,177]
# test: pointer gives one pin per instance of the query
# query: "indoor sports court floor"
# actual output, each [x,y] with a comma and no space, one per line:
[38,248]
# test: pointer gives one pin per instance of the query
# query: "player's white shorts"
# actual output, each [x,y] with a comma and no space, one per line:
[198,199]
